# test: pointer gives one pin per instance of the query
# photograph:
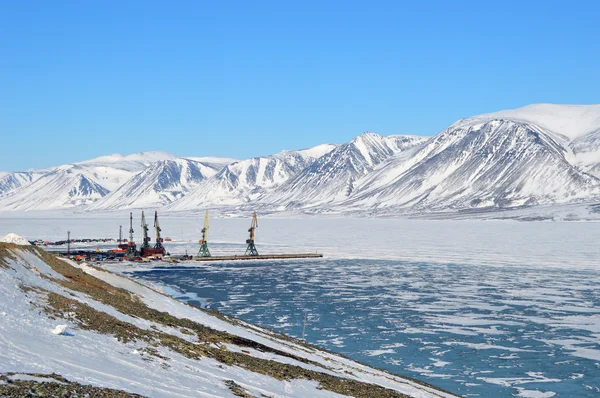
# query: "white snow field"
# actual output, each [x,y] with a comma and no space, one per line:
[31,341]
[476,242]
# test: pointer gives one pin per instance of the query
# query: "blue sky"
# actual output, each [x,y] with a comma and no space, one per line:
[80,79]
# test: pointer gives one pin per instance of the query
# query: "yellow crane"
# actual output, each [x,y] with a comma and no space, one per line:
[251,249]
[204,252]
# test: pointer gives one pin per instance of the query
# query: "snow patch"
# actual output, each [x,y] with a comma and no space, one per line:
[15,239]
[60,330]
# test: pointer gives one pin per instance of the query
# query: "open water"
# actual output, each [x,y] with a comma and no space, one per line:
[476,331]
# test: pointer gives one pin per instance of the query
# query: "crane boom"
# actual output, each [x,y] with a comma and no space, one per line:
[204,252]
[205,229]
[145,230]
[253,226]
[159,240]
[251,249]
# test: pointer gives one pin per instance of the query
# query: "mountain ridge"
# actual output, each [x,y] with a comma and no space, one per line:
[535,155]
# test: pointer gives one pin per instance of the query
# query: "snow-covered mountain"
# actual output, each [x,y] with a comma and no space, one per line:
[78,184]
[568,121]
[63,187]
[244,181]
[479,163]
[333,176]
[538,154]
[212,161]
[574,126]
[12,181]
[144,178]
[159,184]
[113,170]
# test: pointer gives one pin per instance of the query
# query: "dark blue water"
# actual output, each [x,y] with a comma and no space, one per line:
[477,331]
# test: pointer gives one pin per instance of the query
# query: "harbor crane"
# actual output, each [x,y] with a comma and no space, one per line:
[145,244]
[204,252]
[251,249]
[158,245]
[131,251]
[158,250]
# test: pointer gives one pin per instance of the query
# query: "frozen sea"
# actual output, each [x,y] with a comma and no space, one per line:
[485,331]
[481,308]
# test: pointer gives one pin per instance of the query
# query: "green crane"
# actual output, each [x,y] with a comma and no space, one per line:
[251,249]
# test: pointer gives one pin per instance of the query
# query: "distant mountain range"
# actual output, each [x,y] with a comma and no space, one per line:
[536,155]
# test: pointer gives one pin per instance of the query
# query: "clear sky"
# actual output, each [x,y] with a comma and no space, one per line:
[80,79]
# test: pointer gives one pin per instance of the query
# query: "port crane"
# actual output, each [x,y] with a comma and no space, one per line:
[158,245]
[251,249]
[145,244]
[158,249]
[204,252]
[131,251]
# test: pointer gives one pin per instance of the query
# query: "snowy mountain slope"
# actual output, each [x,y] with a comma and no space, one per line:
[586,152]
[538,154]
[569,121]
[244,181]
[159,184]
[96,328]
[133,162]
[9,182]
[333,176]
[477,164]
[78,184]
[113,170]
[212,161]
[64,187]
[574,126]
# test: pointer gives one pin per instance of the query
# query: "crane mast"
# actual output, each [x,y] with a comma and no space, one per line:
[131,251]
[204,252]
[159,240]
[130,228]
[145,244]
[251,249]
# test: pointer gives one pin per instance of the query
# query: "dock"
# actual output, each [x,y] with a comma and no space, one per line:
[93,255]
[259,257]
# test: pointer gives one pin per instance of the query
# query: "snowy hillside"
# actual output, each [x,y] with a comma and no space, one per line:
[479,164]
[535,155]
[213,162]
[83,183]
[9,182]
[570,121]
[159,184]
[58,189]
[136,161]
[244,181]
[71,327]
[72,185]
[113,170]
[332,177]
[575,126]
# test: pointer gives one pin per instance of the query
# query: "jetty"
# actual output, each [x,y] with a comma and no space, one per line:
[259,257]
